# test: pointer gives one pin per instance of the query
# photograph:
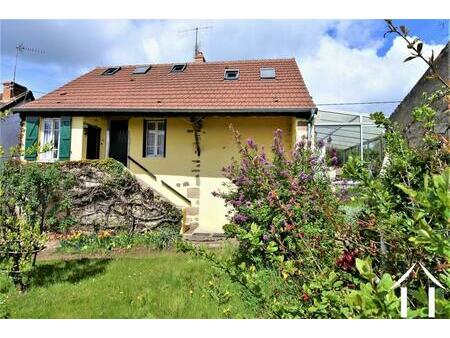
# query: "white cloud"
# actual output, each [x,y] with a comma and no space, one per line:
[337,73]
[338,59]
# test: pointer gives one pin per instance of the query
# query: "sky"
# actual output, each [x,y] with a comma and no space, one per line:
[341,60]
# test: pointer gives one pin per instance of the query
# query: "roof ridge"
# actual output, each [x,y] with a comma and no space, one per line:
[197,63]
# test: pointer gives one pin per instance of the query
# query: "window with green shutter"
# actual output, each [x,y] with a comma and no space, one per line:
[66,132]
[31,137]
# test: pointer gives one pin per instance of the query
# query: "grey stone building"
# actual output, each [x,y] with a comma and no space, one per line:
[402,114]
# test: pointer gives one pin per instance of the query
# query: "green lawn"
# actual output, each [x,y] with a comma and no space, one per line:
[156,285]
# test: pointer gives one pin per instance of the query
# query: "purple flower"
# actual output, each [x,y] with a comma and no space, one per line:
[251,144]
[277,145]
[265,238]
[313,160]
[329,139]
[320,144]
[262,158]
[300,144]
[303,176]
[271,197]
[284,174]
[294,184]
[334,161]
[239,218]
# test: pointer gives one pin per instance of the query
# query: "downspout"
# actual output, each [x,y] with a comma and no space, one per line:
[311,123]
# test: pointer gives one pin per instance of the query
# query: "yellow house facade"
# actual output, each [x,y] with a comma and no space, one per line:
[179,147]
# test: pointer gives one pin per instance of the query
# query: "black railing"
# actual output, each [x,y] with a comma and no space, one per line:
[148,172]
[166,185]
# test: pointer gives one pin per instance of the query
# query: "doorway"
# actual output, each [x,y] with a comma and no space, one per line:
[93,143]
[118,140]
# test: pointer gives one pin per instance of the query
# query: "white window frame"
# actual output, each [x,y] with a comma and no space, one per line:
[49,156]
[156,132]
[263,74]
[225,74]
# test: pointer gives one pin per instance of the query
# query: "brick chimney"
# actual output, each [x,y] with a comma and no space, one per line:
[199,57]
[11,89]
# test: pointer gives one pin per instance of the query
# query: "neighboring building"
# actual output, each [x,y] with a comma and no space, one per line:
[402,114]
[13,95]
[169,123]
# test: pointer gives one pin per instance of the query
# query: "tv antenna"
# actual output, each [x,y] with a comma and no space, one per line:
[20,48]
[196,29]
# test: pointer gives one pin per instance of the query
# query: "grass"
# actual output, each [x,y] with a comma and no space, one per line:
[161,284]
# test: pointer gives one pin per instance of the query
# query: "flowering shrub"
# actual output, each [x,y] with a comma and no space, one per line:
[283,210]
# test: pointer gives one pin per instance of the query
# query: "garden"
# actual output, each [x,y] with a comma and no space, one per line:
[306,248]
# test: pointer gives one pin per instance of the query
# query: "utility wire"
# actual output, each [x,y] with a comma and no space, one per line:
[355,103]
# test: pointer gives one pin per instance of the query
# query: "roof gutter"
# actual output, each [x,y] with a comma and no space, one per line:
[234,111]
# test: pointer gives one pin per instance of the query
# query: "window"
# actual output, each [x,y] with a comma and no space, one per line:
[155,138]
[141,69]
[111,71]
[267,73]
[231,74]
[50,139]
[178,68]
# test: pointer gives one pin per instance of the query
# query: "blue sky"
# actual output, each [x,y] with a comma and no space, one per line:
[341,60]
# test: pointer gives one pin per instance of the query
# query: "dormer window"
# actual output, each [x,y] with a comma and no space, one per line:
[141,69]
[231,74]
[178,68]
[111,71]
[267,73]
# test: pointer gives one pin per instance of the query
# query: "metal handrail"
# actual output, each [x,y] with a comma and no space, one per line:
[152,175]
[164,184]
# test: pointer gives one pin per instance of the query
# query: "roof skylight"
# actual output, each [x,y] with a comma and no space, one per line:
[111,71]
[142,69]
[231,74]
[267,73]
[177,68]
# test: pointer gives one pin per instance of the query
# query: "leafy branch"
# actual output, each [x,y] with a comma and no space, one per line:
[416,46]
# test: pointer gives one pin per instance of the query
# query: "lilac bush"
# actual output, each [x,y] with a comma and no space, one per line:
[283,209]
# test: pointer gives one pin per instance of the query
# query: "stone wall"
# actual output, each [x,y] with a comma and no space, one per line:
[107,196]
[402,113]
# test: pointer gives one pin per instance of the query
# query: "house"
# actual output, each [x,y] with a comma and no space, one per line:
[402,114]
[169,123]
[13,94]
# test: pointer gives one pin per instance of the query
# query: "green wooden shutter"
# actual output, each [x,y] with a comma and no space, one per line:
[64,138]
[31,137]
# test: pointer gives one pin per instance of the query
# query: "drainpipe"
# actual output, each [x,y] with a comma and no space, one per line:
[311,124]
[107,138]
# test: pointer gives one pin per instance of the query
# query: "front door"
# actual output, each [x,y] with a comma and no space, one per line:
[93,143]
[118,141]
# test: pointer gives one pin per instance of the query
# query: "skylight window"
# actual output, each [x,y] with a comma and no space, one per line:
[111,71]
[231,74]
[178,68]
[141,69]
[267,73]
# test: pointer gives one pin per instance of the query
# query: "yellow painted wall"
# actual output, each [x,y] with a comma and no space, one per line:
[217,149]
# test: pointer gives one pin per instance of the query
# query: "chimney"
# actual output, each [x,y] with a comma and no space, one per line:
[199,58]
[11,90]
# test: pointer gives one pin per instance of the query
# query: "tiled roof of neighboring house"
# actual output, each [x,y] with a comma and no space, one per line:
[13,95]
[200,87]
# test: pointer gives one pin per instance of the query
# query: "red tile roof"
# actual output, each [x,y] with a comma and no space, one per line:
[200,87]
